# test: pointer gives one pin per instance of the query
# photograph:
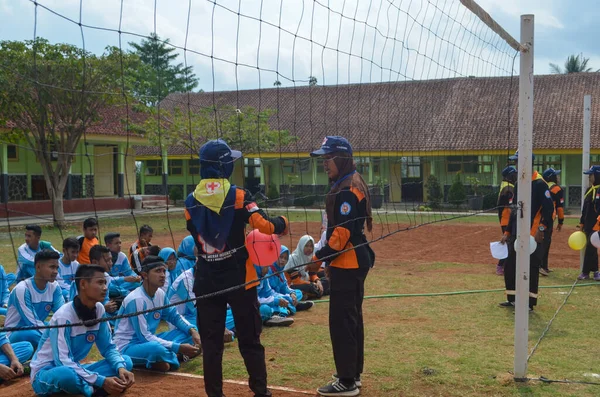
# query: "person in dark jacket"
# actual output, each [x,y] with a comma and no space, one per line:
[349,258]
[551,176]
[589,223]
[505,202]
[217,214]
[542,210]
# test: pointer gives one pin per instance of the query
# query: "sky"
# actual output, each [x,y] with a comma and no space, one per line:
[246,44]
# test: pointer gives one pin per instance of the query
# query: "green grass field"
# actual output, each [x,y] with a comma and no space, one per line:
[458,345]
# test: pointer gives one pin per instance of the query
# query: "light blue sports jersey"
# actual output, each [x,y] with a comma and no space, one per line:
[183,289]
[66,274]
[142,328]
[121,267]
[4,291]
[3,339]
[69,345]
[28,306]
[26,257]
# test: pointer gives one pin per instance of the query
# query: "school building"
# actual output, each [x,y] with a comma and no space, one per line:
[401,133]
[102,174]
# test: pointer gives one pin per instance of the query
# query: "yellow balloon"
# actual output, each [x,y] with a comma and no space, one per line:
[577,241]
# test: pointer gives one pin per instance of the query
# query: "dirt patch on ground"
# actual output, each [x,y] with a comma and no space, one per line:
[159,385]
[450,243]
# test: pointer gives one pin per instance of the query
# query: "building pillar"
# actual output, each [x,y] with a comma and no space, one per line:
[563,178]
[121,170]
[186,165]
[28,173]
[165,174]
[143,177]
[69,194]
[82,166]
[4,173]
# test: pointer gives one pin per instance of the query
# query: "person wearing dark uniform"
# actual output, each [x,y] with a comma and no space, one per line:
[217,214]
[589,223]
[542,210]
[558,198]
[505,202]
[349,258]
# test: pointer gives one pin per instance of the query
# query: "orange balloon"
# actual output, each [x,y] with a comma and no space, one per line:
[263,249]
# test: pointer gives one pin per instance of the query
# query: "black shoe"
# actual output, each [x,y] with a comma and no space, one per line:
[300,306]
[507,304]
[337,388]
[357,380]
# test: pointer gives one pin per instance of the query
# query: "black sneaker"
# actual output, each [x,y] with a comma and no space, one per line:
[337,388]
[506,304]
[304,305]
[356,380]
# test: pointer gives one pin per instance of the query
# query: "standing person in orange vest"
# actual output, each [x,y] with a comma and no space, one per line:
[551,176]
[217,213]
[505,202]
[588,223]
[349,257]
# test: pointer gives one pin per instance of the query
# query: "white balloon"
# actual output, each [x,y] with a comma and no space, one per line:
[532,245]
[595,239]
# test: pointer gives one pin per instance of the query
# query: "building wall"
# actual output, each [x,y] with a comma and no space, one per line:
[26,178]
[398,174]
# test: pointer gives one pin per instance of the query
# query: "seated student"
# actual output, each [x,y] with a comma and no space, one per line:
[182,289]
[298,277]
[67,266]
[57,368]
[274,308]
[88,240]
[186,253]
[12,358]
[5,281]
[121,266]
[169,257]
[279,283]
[32,300]
[100,256]
[139,250]
[135,336]
[26,252]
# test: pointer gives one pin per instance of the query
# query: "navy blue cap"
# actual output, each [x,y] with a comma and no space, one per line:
[550,172]
[218,151]
[516,156]
[332,144]
[508,171]
[594,169]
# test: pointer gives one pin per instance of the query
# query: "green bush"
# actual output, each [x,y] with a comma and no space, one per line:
[434,192]
[272,192]
[457,194]
[304,201]
[490,196]
[176,193]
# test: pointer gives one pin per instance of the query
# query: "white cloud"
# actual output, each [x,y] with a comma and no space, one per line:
[405,40]
[545,11]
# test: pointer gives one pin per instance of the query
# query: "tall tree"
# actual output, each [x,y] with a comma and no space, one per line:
[573,64]
[49,95]
[247,129]
[161,74]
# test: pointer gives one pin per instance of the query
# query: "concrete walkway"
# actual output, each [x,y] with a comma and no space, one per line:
[79,217]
